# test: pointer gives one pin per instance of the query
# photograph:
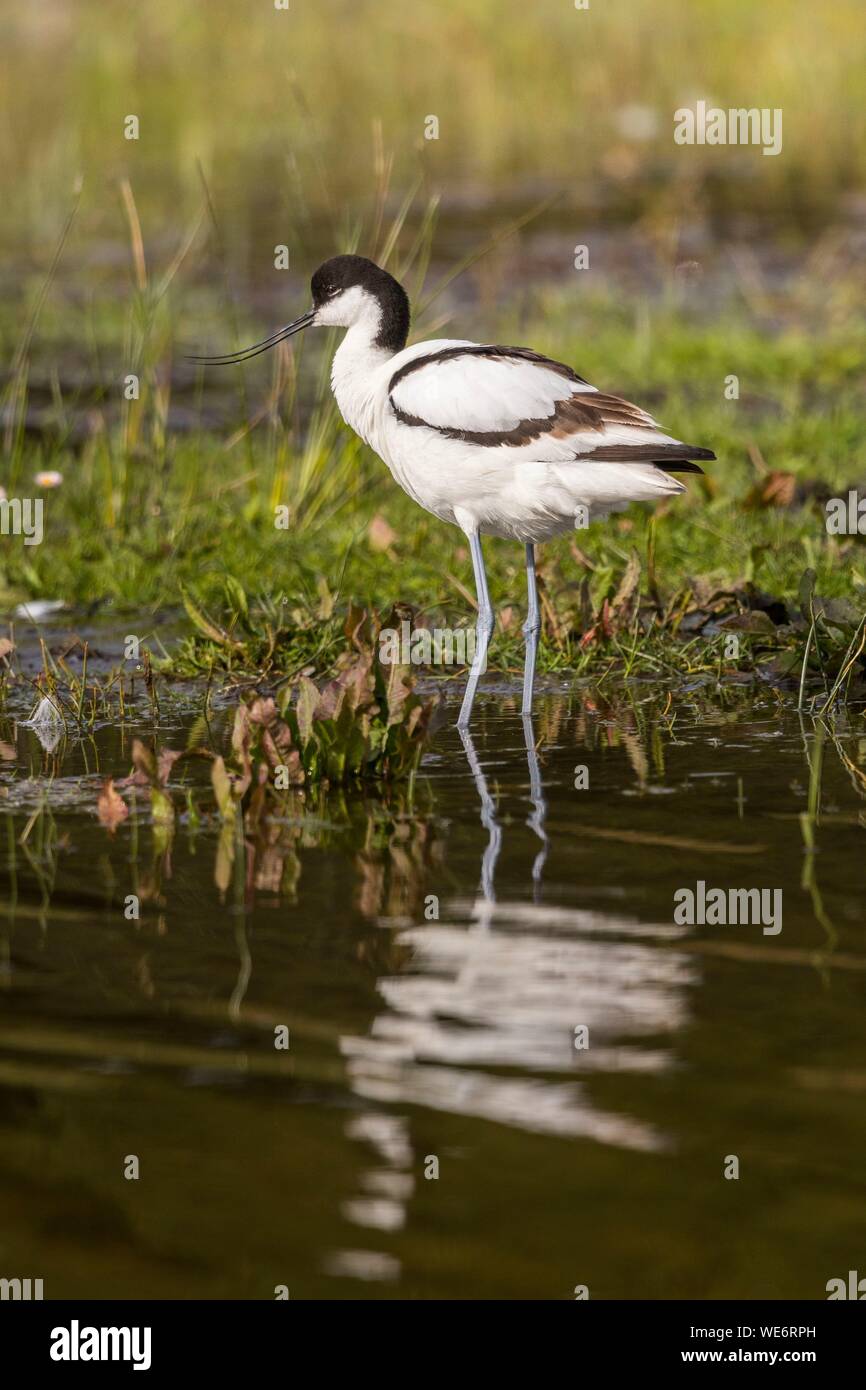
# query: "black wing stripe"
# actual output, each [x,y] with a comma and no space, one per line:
[575,415]
[489,350]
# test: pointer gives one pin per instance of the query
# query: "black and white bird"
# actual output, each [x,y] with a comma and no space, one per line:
[500,441]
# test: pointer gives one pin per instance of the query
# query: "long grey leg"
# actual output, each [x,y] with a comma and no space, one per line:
[483,629]
[531,629]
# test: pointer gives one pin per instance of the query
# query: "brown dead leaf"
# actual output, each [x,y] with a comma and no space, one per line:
[754,621]
[166,760]
[143,760]
[6,647]
[627,595]
[777,489]
[580,556]
[601,628]
[110,806]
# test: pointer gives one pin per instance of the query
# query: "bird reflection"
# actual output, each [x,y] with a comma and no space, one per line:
[496,985]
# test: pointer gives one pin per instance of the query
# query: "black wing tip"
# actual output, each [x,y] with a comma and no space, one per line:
[686,462]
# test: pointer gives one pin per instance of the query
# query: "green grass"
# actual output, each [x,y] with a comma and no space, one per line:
[142,514]
[190,519]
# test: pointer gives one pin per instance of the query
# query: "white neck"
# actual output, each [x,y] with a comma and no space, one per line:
[355,378]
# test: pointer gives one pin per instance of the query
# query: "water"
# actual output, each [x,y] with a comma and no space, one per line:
[417,1040]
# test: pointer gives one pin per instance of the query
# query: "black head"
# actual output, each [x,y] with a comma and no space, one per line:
[334,303]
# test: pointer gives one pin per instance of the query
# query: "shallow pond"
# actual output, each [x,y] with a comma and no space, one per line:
[540,1088]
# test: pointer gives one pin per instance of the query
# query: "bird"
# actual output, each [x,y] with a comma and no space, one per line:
[499,441]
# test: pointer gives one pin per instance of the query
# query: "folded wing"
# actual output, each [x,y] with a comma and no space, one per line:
[514,399]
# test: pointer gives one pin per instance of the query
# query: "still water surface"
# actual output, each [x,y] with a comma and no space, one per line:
[415,1038]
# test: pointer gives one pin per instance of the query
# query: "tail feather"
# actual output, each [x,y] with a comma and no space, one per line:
[672,458]
[659,453]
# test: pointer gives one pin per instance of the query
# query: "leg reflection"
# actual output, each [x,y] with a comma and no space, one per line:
[539,806]
[536,821]
[488,818]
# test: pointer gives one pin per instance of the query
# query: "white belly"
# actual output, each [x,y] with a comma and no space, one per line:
[515,499]
[512,501]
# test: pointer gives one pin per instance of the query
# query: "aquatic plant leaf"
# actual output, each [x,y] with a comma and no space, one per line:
[327,600]
[161,807]
[839,613]
[330,700]
[144,762]
[222,786]
[205,624]
[225,857]
[416,714]
[806,592]
[236,596]
[398,688]
[783,666]
[356,619]
[365,722]
[241,734]
[305,708]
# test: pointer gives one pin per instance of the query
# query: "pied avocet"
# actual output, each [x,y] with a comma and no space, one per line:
[501,441]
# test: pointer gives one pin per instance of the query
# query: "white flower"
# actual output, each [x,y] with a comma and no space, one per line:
[637,122]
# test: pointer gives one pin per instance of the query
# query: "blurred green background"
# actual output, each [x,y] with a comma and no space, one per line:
[279,105]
